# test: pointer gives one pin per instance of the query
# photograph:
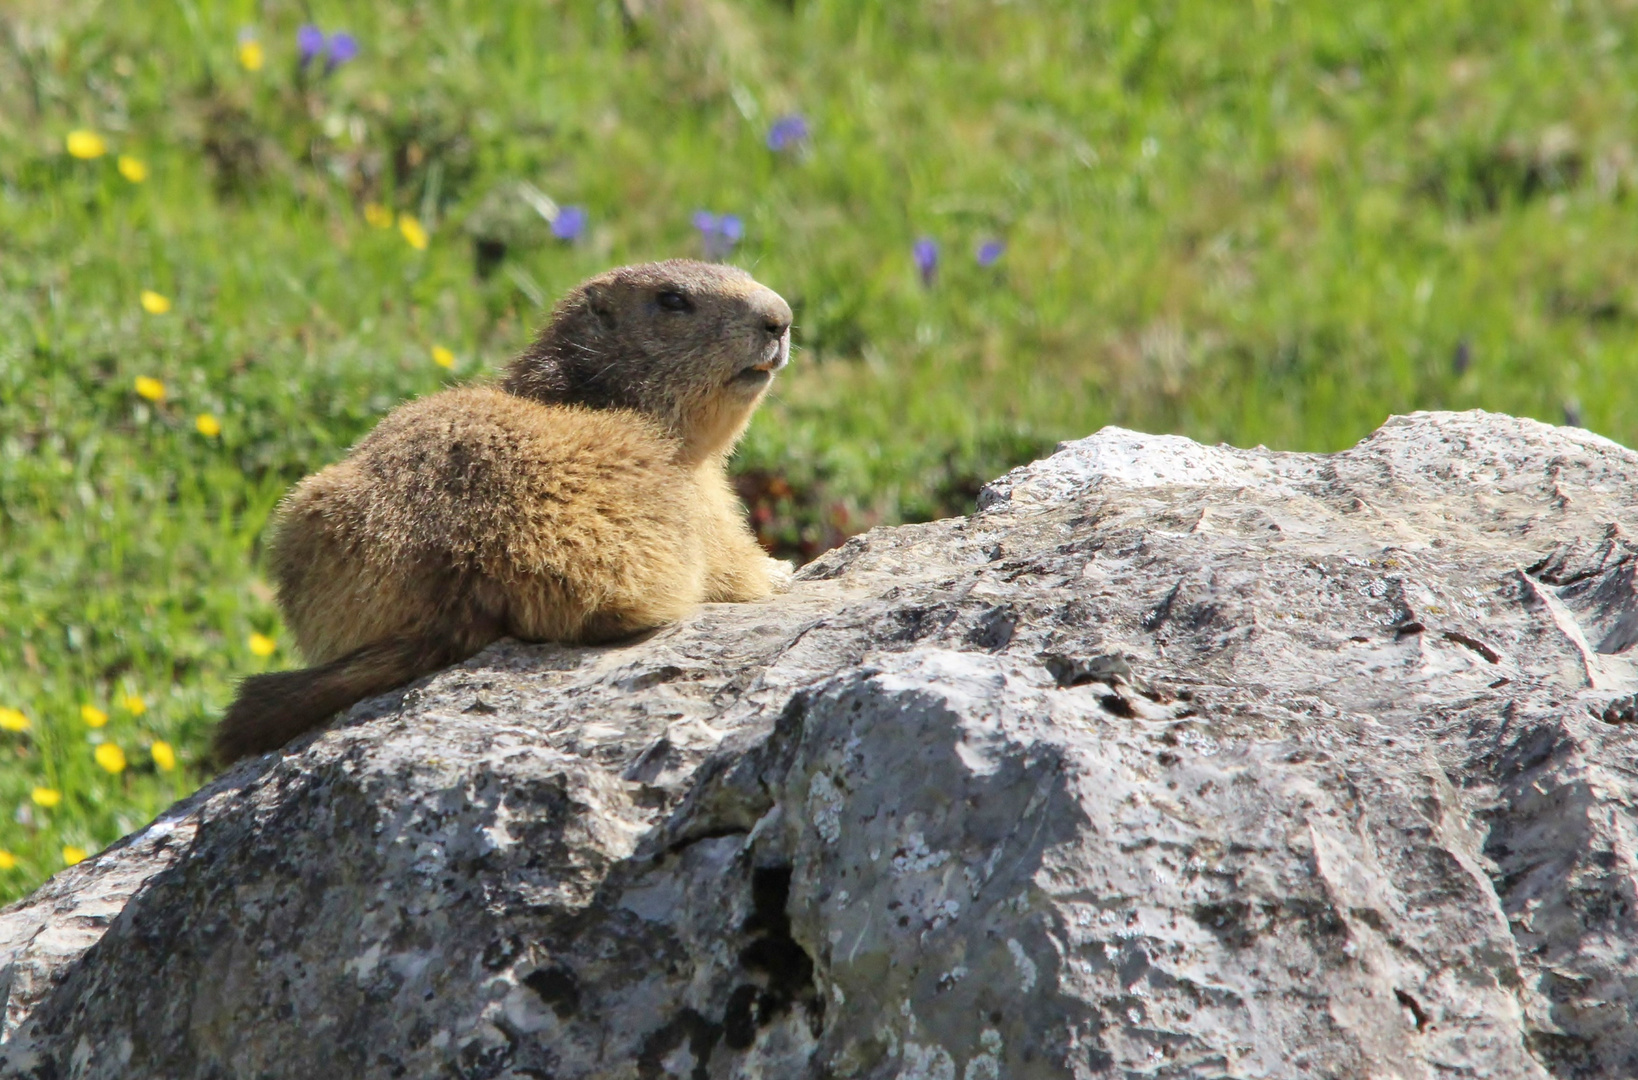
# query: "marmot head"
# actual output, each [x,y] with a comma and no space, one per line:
[692,344]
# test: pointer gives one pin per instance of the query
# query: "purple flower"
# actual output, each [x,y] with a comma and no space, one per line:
[343,47]
[990,252]
[925,251]
[309,43]
[718,233]
[787,133]
[570,223]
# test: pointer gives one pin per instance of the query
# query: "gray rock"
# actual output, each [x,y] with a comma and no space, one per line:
[1173,761]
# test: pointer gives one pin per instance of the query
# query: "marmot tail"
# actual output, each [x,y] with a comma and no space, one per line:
[272,709]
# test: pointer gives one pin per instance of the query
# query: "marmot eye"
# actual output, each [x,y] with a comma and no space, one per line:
[672,300]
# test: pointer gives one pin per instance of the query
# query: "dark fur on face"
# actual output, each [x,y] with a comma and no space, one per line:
[584,500]
[691,344]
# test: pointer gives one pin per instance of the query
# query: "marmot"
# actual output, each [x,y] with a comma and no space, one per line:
[581,500]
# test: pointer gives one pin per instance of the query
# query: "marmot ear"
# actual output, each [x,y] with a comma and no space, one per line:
[598,303]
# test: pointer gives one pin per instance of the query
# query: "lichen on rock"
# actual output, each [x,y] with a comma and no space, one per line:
[1172,761]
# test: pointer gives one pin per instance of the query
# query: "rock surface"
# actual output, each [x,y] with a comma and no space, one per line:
[1172,761]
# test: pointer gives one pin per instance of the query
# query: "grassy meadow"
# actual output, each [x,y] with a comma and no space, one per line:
[1273,221]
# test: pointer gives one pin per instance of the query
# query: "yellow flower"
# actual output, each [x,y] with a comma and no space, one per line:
[208,425]
[13,720]
[72,854]
[251,55]
[110,757]
[150,387]
[413,232]
[378,215]
[442,357]
[262,645]
[164,755]
[93,716]
[134,705]
[133,169]
[46,797]
[8,861]
[155,303]
[86,144]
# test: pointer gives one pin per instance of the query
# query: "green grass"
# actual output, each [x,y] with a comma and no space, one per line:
[1272,222]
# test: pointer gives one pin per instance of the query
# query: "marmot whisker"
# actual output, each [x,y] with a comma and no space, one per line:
[582,499]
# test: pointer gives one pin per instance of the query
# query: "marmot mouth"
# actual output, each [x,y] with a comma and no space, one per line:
[763,370]
[755,375]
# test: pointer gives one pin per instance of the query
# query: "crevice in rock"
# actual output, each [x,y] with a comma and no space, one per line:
[1622,710]
[1415,1008]
[688,1026]
[1115,705]
[1228,921]
[699,837]
[1068,671]
[1490,655]
[782,968]
[557,987]
[484,1060]
[994,882]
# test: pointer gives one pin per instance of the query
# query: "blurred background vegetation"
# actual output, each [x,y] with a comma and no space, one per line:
[228,246]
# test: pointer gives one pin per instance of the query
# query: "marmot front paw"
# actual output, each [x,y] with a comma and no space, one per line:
[780,574]
[580,500]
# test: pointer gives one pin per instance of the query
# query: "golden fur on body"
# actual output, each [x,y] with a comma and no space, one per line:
[583,499]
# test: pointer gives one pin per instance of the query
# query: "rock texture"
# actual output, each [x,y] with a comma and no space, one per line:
[1172,761]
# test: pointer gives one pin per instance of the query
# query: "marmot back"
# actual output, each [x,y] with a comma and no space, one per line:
[582,500]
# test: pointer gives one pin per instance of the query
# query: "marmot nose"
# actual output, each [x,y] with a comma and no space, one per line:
[774,312]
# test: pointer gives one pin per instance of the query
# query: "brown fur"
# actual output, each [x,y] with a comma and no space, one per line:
[582,500]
